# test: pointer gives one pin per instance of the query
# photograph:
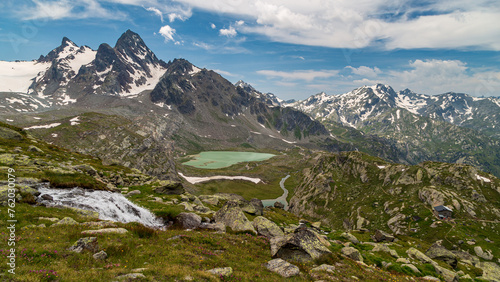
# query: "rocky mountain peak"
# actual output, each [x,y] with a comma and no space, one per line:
[67,47]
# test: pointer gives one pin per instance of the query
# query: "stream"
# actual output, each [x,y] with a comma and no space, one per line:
[281,198]
[110,206]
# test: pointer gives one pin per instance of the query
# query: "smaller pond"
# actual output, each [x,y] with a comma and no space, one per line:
[221,159]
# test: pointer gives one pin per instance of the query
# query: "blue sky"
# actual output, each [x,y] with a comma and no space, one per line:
[291,48]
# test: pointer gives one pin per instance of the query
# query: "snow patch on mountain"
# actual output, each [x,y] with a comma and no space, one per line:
[18,76]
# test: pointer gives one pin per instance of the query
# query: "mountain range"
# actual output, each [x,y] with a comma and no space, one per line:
[194,109]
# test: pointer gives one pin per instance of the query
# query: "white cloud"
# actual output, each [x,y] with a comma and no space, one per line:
[213,26]
[361,23]
[433,77]
[167,32]
[440,76]
[229,32]
[203,45]
[226,73]
[156,12]
[63,9]
[307,75]
[365,71]
[173,16]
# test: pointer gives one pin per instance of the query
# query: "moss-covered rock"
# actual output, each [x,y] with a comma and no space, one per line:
[303,245]
[232,216]
[267,228]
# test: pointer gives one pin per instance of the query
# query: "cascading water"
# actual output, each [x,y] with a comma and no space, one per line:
[110,206]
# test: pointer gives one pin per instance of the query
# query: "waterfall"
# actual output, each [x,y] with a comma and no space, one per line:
[110,206]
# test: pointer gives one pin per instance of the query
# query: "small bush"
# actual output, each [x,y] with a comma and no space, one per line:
[142,231]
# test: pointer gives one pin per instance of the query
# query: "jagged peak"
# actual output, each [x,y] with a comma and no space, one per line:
[67,42]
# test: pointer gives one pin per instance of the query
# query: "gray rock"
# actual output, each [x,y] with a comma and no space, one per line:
[283,268]
[350,237]
[431,278]
[132,193]
[130,276]
[491,271]
[105,231]
[279,205]
[381,236]
[65,221]
[412,267]
[221,272]
[219,227]
[324,267]
[352,253]
[302,246]
[34,149]
[47,197]
[188,220]
[85,244]
[267,228]
[169,187]
[233,217]
[436,251]
[385,248]
[487,255]
[259,207]
[100,255]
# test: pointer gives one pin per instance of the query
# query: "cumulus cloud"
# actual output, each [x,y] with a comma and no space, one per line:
[307,75]
[213,26]
[359,24]
[433,77]
[167,32]
[229,32]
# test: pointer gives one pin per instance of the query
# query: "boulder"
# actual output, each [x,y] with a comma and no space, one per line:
[436,251]
[283,268]
[324,267]
[34,149]
[7,133]
[188,220]
[491,271]
[386,249]
[448,275]
[416,254]
[350,237]
[381,236]
[487,255]
[232,216]
[411,266]
[105,231]
[302,246]
[279,205]
[132,193]
[169,187]
[266,228]
[352,253]
[65,221]
[259,207]
[209,199]
[46,197]
[219,227]
[221,271]
[4,195]
[100,255]
[28,190]
[431,278]
[85,244]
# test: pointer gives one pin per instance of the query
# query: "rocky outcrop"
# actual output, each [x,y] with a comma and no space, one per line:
[487,255]
[169,187]
[283,268]
[267,228]
[491,271]
[233,217]
[352,253]
[381,236]
[437,251]
[221,271]
[302,245]
[188,220]
[85,244]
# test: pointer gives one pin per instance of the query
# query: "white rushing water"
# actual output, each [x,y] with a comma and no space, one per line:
[110,206]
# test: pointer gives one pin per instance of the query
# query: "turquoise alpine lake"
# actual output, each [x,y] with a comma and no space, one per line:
[221,159]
